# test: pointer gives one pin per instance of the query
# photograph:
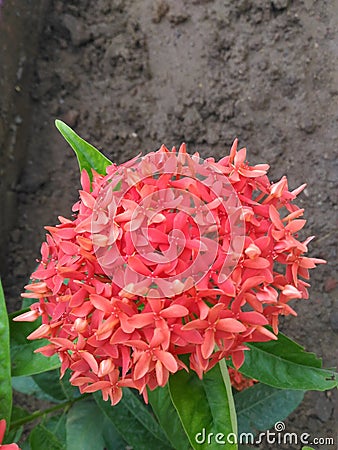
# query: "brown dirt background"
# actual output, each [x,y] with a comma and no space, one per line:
[131,75]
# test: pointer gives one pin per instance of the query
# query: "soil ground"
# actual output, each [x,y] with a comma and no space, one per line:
[131,75]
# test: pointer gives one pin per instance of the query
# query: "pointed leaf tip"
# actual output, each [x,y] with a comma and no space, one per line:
[88,156]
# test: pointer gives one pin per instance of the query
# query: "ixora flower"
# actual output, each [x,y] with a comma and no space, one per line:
[168,255]
[2,434]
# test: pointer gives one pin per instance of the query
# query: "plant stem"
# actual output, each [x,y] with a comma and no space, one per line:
[227,383]
[36,414]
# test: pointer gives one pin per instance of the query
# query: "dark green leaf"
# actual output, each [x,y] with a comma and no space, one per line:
[87,428]
[260,407]
[57,425]
[132,420]
[87,155]
[284,364]
[204,407]
[136,406]
[25,445]
[26,385]
[15,434]
[112,439]
[41,438]
[57,389]
[5,363]
[24,360]
[168,418]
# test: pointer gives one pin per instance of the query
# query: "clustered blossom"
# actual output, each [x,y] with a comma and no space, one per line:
[2,435]
[112,337]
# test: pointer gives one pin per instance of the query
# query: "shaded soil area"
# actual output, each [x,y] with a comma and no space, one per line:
[131,75]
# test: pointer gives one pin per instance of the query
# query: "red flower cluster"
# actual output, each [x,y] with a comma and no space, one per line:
[194,259]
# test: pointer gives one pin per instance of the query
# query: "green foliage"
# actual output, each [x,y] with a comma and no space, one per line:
[88,156]
[57,425]
[260,407]
[167,416]
[15,434]
[40,437]
[24,360]
[5,362]
[203,404]
[133,421]
[27,385]
[284,364]
[59,389]
[88,429]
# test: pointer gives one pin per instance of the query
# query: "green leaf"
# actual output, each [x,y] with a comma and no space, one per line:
[87,155]
[133,421]
[25,445]
[41,438]
[5,363]
[307,448]
[133,402]
[87,428]
[24,360]
[260,407]
[167,416]
[26,385]
[57,389]
[285,365]
[15,434]
[112,439]
[204,409]
[57,425]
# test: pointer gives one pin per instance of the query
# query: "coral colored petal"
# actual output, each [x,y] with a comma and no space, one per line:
[159,372]
[240,157]
[174,311]
[257,263]
[230,325]
[42,332]
[142,366]
[167,360]
[63,233]
[157,338]
[253,318]
[157,236]
[267,333]
[29,316]
[238,359]
[252,282]
[196,325]
[137,265]
[310,263]
[99,385]
[275,218]
[90,360]
[141,320]
[115,396]
[203,309]
[83,310]
[10,447]
[208,345]
[101,303]
[295,225]
[291,291]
